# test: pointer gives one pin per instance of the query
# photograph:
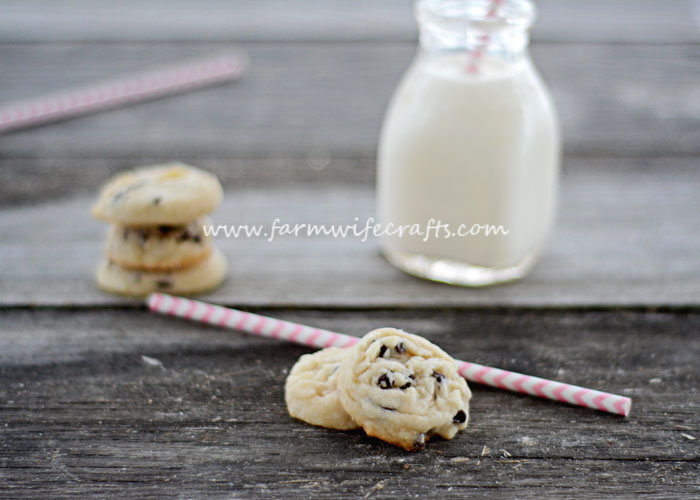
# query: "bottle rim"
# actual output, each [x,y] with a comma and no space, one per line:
[460,13]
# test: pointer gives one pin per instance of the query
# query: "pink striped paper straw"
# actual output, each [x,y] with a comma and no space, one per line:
[316,337]
[478,54]
[157,83]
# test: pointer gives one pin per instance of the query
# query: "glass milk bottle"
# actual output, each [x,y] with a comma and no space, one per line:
[468,155]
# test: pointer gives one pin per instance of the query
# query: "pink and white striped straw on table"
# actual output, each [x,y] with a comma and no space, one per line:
[109,94]
[316,337]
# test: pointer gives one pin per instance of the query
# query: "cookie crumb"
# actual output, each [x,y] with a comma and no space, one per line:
[376,487]
[420,442]
[527,441]
[153,362]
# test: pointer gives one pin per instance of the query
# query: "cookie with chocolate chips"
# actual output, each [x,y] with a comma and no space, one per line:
[403,389]
[204,275]
[311,390]
[170,194]
[159,248]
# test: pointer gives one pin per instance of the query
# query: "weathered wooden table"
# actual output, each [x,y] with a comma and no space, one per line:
[614,303]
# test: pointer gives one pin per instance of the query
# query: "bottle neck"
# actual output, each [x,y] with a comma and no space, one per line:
[491,28]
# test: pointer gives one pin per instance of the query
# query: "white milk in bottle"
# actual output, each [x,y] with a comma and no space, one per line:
[468,156]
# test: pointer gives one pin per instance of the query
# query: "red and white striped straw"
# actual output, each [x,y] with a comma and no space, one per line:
[157,83]
[317,337]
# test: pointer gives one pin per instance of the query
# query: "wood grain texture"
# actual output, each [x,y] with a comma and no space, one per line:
[36,180]
[643,21]
[328,99]
[84,415]
[624,237]
[613,305]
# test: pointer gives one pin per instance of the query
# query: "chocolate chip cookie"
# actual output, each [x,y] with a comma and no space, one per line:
[403,389]
[311,390]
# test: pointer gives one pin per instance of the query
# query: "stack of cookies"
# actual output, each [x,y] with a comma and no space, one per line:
[397,386]
[157,240]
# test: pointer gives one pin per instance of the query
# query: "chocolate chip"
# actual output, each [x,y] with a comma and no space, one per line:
[460,417]
[197,238]
[388,409]
[405,386]
[400,348]
[163,284]
[382,350]
[143,235]
[164,229]
[420,442]
[384,383]
[438,376]
[157,200]
[412,377]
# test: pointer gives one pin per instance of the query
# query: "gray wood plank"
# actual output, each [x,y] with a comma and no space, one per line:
[625,237]
[245,20]
[301,99]
[84,416]
[33,180]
